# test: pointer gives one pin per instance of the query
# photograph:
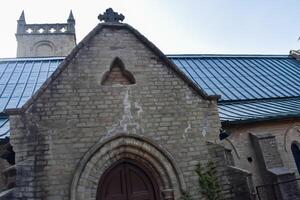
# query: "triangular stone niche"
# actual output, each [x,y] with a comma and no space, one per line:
[117,75]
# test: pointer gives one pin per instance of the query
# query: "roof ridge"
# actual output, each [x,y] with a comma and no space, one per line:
[231,55]
[32,58]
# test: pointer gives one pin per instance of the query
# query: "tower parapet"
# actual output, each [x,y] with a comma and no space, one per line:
[43,40]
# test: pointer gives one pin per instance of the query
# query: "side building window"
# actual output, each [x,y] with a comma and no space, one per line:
[296,154]
[229,157]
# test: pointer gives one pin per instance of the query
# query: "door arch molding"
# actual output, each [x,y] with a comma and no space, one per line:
[126,146]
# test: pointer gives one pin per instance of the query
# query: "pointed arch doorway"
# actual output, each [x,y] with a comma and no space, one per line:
[126,180]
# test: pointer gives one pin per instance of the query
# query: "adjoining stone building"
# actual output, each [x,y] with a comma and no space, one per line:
[116,118]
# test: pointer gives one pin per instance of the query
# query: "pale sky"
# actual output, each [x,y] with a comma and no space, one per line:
[174,26]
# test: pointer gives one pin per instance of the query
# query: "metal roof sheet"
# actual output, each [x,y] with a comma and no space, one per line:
[4,127]
[259,109]
[21,77]
[242,77]
[238,78]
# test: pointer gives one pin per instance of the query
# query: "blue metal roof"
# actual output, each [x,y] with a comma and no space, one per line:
[259,109]
[242,77]
[21,77]
[268,82]
[252,87]
[4,127]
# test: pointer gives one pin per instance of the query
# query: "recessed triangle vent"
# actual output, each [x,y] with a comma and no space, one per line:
[117,75]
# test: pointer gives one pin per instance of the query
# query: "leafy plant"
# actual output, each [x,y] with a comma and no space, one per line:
[186,196]
[208,181]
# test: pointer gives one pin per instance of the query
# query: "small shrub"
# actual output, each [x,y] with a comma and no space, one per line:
[185,196]
[208,181]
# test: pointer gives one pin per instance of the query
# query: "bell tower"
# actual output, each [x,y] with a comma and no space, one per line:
[45,40]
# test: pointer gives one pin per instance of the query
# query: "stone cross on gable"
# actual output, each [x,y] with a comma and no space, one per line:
[111,16]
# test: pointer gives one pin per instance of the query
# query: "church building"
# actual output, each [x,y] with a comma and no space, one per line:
[114,118]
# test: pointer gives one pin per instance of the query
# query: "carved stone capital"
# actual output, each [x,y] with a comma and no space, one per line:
[168,194]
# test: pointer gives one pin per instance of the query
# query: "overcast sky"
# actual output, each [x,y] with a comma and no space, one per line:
[174,26]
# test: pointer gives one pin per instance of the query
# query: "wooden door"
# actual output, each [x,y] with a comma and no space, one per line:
[127,181]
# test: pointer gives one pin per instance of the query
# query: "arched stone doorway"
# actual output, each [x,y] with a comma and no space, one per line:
[141,150]
[296,154]
[127,180]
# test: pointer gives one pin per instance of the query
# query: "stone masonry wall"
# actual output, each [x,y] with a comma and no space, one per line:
[3,165]
[235,183]
[285,132]
[76,112]
[45,45]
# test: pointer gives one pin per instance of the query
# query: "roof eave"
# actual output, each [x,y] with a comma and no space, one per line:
[13,111]
[261,119]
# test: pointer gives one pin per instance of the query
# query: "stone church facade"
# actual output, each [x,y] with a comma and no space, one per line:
[114,98]
[119,120]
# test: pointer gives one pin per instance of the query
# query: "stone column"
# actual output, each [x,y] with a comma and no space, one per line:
[168,194]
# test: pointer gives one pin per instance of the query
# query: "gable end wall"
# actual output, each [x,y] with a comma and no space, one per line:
[76,111]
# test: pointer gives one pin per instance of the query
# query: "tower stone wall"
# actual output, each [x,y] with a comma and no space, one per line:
[44,40]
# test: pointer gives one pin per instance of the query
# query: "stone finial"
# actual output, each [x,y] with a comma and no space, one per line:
[71,17]
[111,16]
[22,17]
[71,23]
[21,23]
[295,54]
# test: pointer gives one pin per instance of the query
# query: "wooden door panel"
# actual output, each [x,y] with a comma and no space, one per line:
[126,181]
[139,184]
[114,186]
